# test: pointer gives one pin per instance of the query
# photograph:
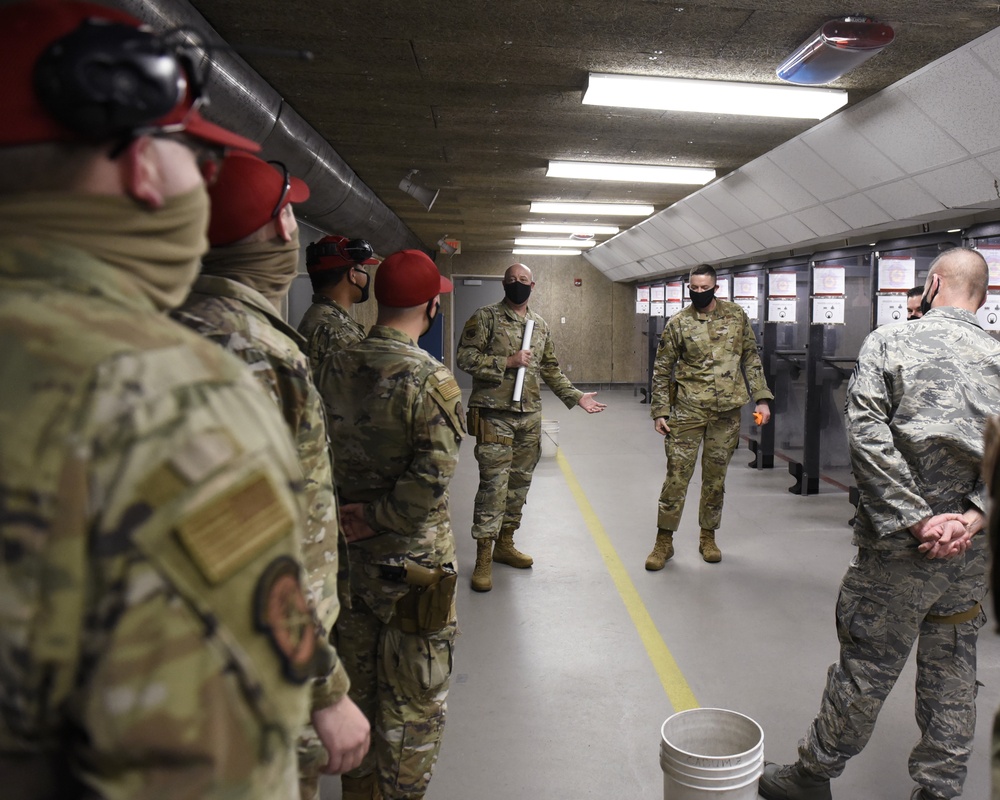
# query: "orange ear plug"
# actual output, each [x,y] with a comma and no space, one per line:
[758,418]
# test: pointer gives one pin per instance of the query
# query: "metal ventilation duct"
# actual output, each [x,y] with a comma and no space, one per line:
[242,100]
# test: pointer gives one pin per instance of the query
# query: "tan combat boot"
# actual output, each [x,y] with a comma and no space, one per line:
[506,553]
[364,788]
[663,550]
[708,548]
[482,575]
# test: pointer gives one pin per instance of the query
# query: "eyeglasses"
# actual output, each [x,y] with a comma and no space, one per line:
[285,189]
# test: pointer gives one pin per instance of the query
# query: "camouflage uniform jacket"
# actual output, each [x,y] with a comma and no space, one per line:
[396,423]
[917,407]
[244,322]
[706,354]
[491,335]
[327,328]
[151,634]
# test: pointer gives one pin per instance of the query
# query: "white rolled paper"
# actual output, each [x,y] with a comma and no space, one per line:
[529,326]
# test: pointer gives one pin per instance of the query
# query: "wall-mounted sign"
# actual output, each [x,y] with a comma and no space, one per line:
[780,284]
[641,299]
[992,255]
[829,280]
[745,286]
[750,305]
[828,311]
[896,274]
[890,308]
[780,310]
[989,314]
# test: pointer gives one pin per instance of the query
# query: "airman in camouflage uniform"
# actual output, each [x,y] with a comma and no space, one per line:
[991,476]
[916,408]
[245,276]
[334,265]
[706,357]
[396,423]
[155,640]
[508,432]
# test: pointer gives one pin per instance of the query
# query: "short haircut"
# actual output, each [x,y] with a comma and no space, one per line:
[916,291]
[966,267]
[704,269]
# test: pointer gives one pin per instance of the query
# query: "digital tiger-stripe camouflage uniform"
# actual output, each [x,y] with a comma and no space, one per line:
[991,474]
[241,320]
[699,387]
[917,405]
[508,432]
[396,425]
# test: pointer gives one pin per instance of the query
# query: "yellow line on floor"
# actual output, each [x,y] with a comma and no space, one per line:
[678,692]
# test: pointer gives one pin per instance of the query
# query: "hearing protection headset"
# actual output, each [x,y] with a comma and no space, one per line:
[107,79]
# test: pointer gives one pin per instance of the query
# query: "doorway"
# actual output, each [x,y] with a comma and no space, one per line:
[471,293]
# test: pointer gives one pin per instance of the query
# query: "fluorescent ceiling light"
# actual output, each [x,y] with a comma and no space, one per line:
[529,242]
[546,227]
[713,97]
[540,251]
[592,209]
[635,173]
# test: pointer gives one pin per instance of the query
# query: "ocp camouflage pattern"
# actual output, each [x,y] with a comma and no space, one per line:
[491,335]
[327,329]
[707,354]
[133,653]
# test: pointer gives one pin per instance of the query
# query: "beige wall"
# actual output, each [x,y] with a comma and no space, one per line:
[602,339]
[599,341]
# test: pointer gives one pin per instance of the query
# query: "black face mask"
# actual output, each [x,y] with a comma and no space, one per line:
[927,299]
[364,289]
[517,292]
[431,317]
[702,299]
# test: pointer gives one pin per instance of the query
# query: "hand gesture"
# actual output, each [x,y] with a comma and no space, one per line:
[590,405]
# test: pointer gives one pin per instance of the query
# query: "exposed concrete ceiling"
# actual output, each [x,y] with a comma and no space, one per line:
[479,95]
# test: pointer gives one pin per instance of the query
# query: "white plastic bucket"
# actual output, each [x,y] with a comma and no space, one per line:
[711,754]
[550,438]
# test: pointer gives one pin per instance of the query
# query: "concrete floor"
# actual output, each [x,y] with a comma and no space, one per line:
[564,673]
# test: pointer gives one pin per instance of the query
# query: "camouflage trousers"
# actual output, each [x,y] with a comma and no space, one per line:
[888,601]
[995,758]
[400,681]
[720,433]
[505,469]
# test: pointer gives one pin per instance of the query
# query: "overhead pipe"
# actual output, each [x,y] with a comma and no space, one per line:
[339,202]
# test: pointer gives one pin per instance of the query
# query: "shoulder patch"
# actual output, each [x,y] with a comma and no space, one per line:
[282,613]
[446,385]
[443,387]
[227,532]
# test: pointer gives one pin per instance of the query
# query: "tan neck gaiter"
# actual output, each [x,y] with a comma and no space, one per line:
[160,248]
[269,267]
